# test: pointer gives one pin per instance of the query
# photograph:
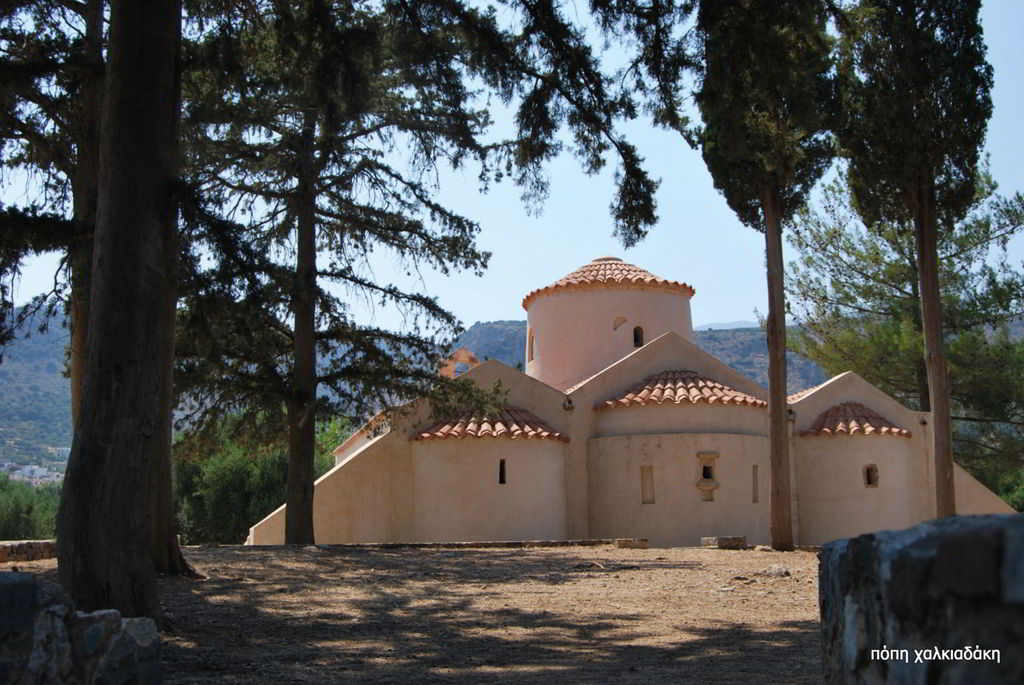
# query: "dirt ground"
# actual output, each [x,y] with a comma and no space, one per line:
[537,615]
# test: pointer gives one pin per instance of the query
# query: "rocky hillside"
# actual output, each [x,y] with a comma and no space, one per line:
[744,349]
[35,415]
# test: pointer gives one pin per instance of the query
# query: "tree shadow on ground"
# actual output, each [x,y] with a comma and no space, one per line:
[288,615]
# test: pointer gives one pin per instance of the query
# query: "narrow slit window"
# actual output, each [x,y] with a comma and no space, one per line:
[638,337]
[647,484]
[871,476]
[529,347]
[501,472]
[754,480]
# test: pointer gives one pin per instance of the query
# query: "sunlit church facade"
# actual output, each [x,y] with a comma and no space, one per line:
[621,427]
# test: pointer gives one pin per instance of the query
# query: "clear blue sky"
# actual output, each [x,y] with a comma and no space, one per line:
[698,239]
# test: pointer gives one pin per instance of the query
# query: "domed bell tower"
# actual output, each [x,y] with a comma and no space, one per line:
[598,314]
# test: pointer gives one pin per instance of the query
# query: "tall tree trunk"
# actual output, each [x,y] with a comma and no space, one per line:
[778,410]
[164,547]
[84,190]
[104,527]
[920,368]
[301,409]
[926,233]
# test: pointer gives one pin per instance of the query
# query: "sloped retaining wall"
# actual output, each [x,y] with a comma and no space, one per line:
[942,602]
[44,640]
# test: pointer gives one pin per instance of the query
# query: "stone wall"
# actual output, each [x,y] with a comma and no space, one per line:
[27,550]
[44,640]
[942,602]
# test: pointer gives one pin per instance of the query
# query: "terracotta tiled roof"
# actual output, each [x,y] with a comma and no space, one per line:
[851,418]
[681,386]
[613,272]
[799,395]
[512,422]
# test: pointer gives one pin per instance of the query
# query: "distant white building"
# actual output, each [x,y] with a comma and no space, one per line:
[622,427]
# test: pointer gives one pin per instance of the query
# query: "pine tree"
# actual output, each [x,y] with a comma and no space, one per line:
[52,61]
[300,125]
[915,100]
[764,100]
[106,519]
[856,291]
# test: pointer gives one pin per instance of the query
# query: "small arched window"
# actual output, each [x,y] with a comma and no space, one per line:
[529,347]
[638,337]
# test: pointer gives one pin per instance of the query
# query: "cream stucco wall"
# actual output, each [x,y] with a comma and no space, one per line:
[919,493]
[974,498]
[458,496]
[371,493]
[388,487]
[682,417]
[669,351]
[366,497]
[834,501]
[678,515]
[573,334]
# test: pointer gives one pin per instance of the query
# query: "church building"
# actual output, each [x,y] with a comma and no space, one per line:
[622,427]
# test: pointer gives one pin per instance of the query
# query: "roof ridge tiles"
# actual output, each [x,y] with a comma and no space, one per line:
[609,271]
[512,422]
[678,386]
[853,418]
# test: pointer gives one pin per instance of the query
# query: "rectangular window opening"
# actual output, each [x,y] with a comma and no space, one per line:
[754,480]
[647,484]
[501,472]
[871,476]
[707,472]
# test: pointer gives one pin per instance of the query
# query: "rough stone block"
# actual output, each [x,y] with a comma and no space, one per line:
[942,602]
[632,543]
[725,542]
[43,640]
[27,550]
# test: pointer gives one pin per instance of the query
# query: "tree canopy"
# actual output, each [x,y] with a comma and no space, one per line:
[765,103]
[855,292]
[914,86]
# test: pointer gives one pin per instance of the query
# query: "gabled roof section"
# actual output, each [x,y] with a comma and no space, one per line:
[800,394]
[610,272]
[511,422]
[667,351]
[852,418]
[681,387]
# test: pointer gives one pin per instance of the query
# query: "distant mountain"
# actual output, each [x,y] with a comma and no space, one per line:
[744,349]
[727,325]
[501,340]
[35,403]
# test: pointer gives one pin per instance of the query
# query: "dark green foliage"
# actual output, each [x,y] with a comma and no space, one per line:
[856,291]
[765,100]
[384,100]
[46,65]
[366,90]
[235,484]
[27,512]
[914,88]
